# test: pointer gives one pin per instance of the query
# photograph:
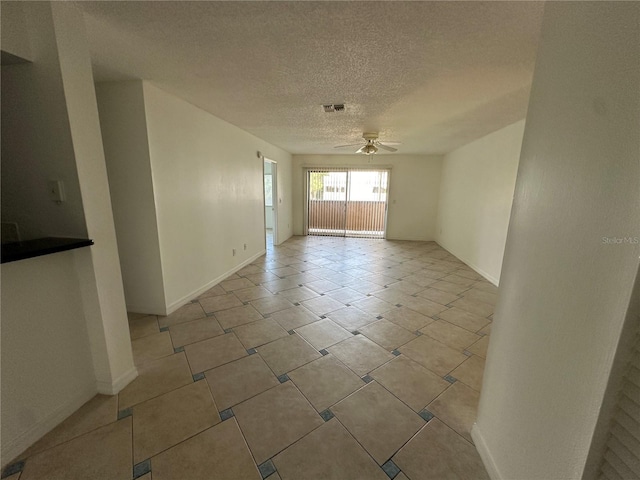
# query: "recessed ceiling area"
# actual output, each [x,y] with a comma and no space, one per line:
[432,75]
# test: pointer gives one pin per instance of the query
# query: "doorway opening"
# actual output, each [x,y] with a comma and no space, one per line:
[347,202]
[270,202]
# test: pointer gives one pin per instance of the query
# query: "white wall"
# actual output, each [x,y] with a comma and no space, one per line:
[476,192]
[284,194]
[564,291]
[413,192]
[47,366]
[64,326]
[36,145]
[208,188]
[124,134]
[47,369]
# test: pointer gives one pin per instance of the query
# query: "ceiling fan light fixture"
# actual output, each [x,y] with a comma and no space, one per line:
[369,149]
[372,145]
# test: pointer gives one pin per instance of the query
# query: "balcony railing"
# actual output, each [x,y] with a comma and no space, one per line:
[352,218]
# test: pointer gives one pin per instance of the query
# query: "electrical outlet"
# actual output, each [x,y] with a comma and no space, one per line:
[233,252]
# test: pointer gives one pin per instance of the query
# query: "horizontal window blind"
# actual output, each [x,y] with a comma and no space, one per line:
[622,456]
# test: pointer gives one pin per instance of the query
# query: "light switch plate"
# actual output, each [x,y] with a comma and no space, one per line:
[56,191]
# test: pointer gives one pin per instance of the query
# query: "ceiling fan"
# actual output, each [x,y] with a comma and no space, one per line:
[372,144]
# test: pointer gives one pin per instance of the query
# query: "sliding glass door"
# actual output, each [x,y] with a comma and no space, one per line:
[348,202]
[367,203]
[327,203]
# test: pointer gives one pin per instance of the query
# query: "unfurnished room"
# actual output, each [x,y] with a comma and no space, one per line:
[305,240]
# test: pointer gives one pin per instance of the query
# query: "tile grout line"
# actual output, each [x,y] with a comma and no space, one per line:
[373,274]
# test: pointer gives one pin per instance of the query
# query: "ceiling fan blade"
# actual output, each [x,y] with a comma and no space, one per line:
[351,145]
[361,149]
[386,147]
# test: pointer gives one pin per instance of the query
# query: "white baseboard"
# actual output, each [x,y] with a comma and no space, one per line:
[485,454]
[12,447]
[147,310]
[479,270]
[410,239]
[196,293]
[113,388]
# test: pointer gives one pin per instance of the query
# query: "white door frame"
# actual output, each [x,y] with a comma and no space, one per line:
[274,199]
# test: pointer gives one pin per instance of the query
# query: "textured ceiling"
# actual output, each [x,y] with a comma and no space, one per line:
[432,75]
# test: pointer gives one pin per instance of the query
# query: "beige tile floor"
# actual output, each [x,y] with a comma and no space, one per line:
[327,358]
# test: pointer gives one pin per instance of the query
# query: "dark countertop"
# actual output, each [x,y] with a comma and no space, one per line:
[12,252]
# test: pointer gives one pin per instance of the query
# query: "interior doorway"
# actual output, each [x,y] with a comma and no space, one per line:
[270,202]
[347,202]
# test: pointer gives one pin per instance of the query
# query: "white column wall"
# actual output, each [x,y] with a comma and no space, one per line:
[101,278]
[566,280]
[124,134]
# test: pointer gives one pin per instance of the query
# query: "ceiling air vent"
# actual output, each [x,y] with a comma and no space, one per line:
[333,107]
